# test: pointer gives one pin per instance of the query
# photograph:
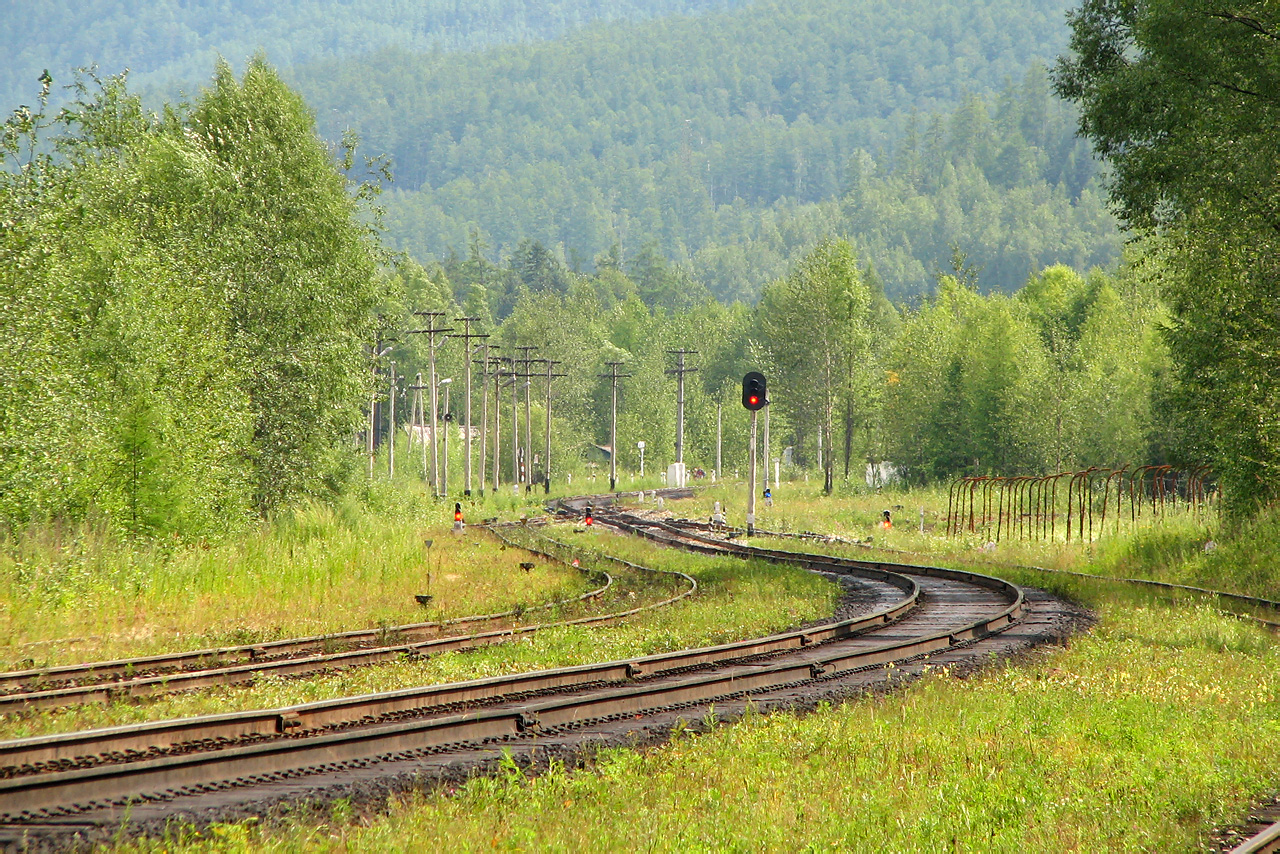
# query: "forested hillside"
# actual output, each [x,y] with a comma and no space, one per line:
[713,138]
[173,43]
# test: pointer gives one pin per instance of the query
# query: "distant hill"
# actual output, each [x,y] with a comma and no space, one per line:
[173,44]
[714,136]
[728,136]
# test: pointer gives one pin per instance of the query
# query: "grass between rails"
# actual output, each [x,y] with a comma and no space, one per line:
[1146,735]
[736,600]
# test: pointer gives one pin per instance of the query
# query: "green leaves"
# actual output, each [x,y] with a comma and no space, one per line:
[190,295]
[1180,96]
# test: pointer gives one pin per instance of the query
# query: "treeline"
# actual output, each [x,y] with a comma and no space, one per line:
[733,141]
[1006,179]
[1070,371]
[185,300]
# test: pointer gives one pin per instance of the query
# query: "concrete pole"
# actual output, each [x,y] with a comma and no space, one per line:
[497,423]
[435,418]
[719,434]
[444,471]
[466,488]
[613,433]
[515,424]
[484,414]
[546,459]
[680,408]
[391,426]
[421,413]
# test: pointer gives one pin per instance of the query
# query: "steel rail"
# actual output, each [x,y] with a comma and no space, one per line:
[165,683]
[1265,842]
[215,658]
[326,751]
[310,716]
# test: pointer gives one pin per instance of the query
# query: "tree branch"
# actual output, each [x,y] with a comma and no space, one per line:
[1249,23]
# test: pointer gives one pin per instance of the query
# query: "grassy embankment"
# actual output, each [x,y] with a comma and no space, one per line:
[1145,735]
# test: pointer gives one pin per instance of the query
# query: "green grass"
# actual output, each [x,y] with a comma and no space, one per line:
[85,597]
[1145,735]
[735,600]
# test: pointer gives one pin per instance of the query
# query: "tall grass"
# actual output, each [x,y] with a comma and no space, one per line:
[79,595]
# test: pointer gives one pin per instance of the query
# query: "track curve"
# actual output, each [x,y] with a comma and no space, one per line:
[938,616]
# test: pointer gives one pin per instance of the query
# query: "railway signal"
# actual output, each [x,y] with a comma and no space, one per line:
[590,519]
[458,524]
[754,391]
[754,398]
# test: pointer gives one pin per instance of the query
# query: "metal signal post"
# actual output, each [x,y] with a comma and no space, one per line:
[754,397]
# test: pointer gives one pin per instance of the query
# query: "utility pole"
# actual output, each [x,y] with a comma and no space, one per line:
[391,425]
[484,413]
[679,371]
[613,376]
[546,461]
[467,335]
[448,421]
[719,434]
[432,331]
[515,426]
[377,353]
[766,443]
[420,418]
[528,429]
[751,478]
[497,418]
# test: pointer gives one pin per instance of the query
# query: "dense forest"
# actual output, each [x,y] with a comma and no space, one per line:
[736,140]
[730,137]
[172,44]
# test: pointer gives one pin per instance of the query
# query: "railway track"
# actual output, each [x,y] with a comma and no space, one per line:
[56,788]
[150,676]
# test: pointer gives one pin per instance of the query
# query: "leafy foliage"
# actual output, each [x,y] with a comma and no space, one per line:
[188,292]
[737,141]
[1180,97]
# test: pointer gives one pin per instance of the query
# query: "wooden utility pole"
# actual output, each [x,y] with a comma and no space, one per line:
[679,371]
[526,469]
[419,418]
[484,413]
[466,336]
[432,331]
[613,376]
[546,460]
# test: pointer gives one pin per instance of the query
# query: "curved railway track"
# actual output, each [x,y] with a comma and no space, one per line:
[56,787]
[150,676]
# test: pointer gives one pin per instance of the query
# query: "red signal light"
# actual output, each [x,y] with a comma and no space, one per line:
[589,519]
[457,512]
[754,391]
